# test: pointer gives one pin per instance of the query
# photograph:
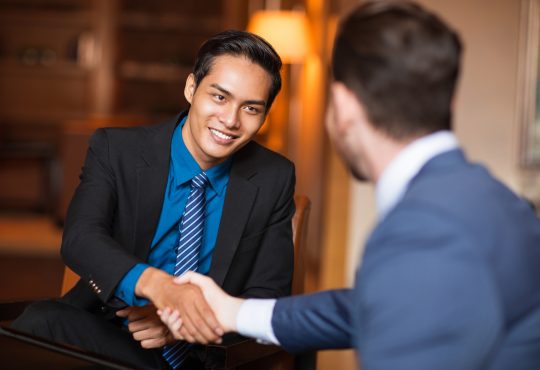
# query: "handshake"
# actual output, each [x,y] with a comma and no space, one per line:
[224,307]
[191,307]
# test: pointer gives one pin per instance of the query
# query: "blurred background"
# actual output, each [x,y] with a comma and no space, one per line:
[68,67]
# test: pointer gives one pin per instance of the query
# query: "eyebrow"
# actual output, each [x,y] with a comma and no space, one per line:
[228,93]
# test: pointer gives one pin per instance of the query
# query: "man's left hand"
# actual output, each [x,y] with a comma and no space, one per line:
[146,326]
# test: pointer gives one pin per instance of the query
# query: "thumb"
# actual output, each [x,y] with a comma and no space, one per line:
[188,277]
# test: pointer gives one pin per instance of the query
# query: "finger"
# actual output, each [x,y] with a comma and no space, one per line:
[173,317]
[177,335]
[173,322]
[200,327]
[153,343]
[175,326]
[139,325]
[184,278]
[210,319]
[190,328]
[185,335]
[165,314]
[145,323]
[190,277]
[139,313]
[123,312]
[151,333]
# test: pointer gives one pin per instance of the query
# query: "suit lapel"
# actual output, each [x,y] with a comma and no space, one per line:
[241,194]
[152,174]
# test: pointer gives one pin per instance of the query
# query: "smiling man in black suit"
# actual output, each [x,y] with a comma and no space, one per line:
[123,233]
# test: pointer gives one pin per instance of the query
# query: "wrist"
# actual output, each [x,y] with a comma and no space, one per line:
[149,282]
[230,322]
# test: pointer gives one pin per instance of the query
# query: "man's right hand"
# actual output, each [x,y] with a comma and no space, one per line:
[198,320]
[225,306]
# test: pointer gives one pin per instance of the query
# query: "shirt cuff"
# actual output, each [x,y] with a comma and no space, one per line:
[126,288]
[254,319]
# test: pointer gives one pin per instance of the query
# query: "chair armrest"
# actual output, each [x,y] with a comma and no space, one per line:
[236,351]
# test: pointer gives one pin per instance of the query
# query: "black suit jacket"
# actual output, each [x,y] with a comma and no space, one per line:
[112,218]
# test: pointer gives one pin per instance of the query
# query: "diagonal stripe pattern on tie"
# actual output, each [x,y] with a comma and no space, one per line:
[187,254]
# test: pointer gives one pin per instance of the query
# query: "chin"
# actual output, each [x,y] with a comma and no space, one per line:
[360,176]
[218,156]
[358,173]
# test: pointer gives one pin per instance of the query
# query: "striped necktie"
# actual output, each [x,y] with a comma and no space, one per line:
[187,254]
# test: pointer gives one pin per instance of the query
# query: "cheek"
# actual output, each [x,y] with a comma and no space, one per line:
[251,124]
[205,108]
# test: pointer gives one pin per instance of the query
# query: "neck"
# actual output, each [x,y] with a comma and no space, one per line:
[379,155]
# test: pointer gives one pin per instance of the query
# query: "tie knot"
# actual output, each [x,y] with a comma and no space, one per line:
[200,181]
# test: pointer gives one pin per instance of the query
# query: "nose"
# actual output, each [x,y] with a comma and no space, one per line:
[229,117]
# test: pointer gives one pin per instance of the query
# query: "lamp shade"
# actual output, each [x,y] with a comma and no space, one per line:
[286,31]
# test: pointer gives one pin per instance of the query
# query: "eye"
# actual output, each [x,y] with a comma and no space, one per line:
[218,97]
[251,109]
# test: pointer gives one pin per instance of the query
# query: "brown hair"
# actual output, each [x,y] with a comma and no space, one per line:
[402,62]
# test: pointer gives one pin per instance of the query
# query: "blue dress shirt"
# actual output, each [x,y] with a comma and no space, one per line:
[182,169]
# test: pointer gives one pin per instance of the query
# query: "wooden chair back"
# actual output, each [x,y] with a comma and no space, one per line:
[299,229]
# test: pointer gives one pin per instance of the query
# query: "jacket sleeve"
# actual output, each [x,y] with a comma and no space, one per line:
[88,247]
[315,321]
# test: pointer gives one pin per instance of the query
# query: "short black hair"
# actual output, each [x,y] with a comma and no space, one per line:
[244,44]
[402,62]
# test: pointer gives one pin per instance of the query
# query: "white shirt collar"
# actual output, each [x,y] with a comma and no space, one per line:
[398,174]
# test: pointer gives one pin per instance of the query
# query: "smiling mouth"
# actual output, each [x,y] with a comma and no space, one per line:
[221,135]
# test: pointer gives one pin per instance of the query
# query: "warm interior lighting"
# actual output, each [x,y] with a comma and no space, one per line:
[287,31]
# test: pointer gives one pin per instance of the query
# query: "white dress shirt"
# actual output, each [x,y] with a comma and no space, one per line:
[254,318]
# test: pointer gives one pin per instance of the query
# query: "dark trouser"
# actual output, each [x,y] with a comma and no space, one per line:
[61,322]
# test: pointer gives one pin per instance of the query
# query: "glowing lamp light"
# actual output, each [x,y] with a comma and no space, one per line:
[287,31]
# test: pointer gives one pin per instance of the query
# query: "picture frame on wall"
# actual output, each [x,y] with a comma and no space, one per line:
[529,84]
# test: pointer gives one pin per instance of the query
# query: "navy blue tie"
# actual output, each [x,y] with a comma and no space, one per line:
[187,254]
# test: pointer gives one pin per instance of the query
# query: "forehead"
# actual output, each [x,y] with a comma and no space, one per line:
[239,76]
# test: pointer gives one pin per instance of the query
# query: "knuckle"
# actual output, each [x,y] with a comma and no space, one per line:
[197,322]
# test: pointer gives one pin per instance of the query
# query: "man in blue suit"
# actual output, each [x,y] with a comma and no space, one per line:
[450,278]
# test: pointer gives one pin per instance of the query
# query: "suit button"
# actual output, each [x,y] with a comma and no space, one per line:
[98,291]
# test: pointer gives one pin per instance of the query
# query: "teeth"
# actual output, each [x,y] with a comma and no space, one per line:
[221,134]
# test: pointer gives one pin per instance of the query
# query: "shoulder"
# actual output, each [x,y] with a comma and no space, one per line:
[254,155]
[462,190]
[135,132]
[123,138]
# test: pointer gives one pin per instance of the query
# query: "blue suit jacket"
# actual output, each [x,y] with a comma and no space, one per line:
[450,279]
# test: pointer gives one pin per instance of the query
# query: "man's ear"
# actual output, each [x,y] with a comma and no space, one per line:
[189,89]
[345,105]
